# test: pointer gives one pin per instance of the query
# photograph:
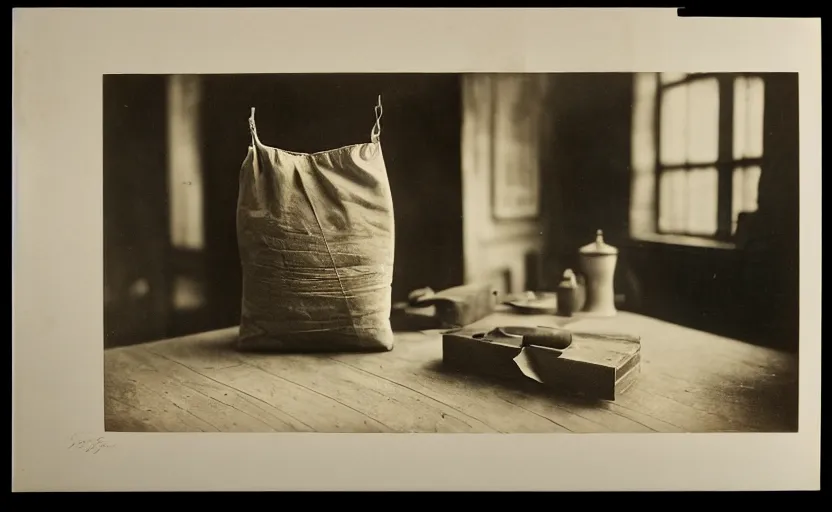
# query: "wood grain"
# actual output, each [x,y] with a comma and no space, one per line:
[690,382]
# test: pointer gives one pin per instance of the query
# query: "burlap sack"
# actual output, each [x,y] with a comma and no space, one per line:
[316,242]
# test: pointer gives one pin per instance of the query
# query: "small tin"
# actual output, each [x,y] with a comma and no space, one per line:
[567,294]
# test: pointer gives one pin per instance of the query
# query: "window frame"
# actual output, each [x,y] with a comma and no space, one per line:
[725,164]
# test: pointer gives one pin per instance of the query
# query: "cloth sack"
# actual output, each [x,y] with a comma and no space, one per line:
[316,240]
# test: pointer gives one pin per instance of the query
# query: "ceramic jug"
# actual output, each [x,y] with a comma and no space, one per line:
[598,262]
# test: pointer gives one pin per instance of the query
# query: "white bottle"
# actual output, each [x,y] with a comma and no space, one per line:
[598,262]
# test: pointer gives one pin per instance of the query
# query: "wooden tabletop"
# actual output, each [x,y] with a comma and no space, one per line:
[690,382]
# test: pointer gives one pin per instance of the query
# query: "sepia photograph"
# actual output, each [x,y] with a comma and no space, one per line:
[300,249]
[598,252]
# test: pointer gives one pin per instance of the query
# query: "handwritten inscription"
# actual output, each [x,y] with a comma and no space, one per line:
[92,445]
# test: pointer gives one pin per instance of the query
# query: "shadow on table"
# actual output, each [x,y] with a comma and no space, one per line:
[223,344]
[220,348]
[515,385]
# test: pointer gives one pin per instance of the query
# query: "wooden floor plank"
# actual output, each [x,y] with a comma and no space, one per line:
[497,405]
[150,396]
[402,408]
[208,402]
[307,408]
[263,416]
[473,401]
[748,388]
[690,382]
[642,418]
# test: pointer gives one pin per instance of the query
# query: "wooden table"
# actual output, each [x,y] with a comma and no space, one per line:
[690,382]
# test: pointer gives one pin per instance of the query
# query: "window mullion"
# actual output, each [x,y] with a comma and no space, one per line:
[658,160]
[726,152]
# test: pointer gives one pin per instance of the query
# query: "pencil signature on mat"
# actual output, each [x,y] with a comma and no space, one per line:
[89,445]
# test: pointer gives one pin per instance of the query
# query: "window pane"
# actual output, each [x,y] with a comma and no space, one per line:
[751,185]
[740,116]
[184,162]
[642,205]
[672,77]
[643,152]
[644,106]
[746,183]
[703,121]
[188,294]
[702,188]
[672,201]
[673,124]
[749,107]
[754,126]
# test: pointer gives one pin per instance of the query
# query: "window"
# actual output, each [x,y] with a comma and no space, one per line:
[184,163]
[697,153]
[185,189]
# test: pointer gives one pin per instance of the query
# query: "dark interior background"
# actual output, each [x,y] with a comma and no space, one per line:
[749,293]
[420,133]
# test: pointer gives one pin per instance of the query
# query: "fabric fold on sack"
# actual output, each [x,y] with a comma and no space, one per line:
[316,238]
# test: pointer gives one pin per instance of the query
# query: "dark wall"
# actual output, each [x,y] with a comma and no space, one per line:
[770,279]
[588,170]
[136,285]
[751,293]
[421,139]
[420,134]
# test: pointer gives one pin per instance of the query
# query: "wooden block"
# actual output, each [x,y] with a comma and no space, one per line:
[405,318]
[462,351]
[461,305]
[596,365]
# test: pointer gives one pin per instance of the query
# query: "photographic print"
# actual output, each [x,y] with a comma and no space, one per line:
[451,252]
[251,257]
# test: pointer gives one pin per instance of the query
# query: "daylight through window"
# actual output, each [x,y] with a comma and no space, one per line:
[697,152]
